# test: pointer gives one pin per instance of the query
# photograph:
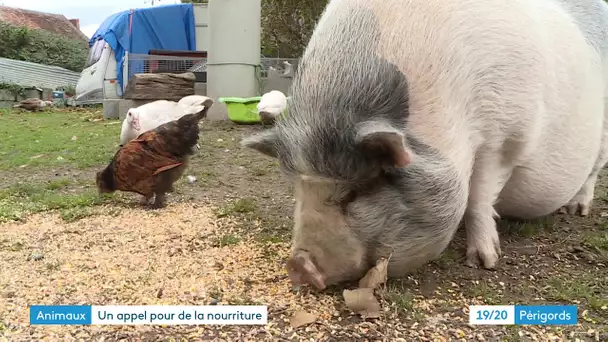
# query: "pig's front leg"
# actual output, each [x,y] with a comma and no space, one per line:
[487,180]
[581,203]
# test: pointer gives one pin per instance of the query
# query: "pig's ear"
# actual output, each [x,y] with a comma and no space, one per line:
[265,142]
[380,140]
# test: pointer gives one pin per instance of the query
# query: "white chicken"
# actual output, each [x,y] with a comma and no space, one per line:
[271,105]
[288,71]
[154,114]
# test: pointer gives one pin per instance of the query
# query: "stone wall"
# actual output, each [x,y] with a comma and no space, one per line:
[8,99]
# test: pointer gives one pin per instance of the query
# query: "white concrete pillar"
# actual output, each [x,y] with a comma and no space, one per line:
[234,51]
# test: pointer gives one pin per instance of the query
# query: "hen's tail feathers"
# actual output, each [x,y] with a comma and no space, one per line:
[191,120]
[200,111]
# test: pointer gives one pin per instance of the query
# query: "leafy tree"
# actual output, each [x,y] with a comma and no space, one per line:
[286,25]
[39,46]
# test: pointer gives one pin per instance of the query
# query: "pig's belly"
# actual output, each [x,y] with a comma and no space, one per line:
[547,183]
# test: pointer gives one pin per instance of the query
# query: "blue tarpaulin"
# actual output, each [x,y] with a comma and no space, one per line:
[168,27]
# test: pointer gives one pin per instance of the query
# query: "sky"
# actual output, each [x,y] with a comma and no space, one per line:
[90,13]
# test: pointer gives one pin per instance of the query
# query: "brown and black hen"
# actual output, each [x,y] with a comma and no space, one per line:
[151,163]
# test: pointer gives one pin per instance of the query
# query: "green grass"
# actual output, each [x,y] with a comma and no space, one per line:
[45,140]
[20,200]
[227,240]
[57,184]
[404,301]
[401,299]
[528,228]
[267,238]
[484,291]
[598,240]
[207,178]
[587,287]
[76,213]
[240,206]
[448,258]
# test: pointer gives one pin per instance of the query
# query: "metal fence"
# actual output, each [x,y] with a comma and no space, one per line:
[140,64]
[285,67]
[145,64]
[274,73]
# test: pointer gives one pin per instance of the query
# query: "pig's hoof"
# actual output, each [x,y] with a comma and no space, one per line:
[582,201]
[578,206]
[484,252]
[488,259]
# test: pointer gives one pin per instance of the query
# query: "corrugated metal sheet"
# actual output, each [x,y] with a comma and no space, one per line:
[29,74]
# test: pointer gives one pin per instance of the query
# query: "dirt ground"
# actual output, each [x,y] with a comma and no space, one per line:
[224,239]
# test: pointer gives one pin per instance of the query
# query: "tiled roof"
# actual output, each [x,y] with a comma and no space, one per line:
[54,23]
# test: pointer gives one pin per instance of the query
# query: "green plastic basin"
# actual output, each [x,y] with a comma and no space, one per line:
[242,110]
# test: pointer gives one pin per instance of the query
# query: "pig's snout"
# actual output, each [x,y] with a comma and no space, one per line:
[302,270]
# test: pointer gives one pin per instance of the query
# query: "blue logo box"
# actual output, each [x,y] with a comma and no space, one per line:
[60,314]
[546,314]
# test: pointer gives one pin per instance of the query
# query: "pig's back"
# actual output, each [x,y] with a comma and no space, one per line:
[474,69]
[556,170]
[519,74]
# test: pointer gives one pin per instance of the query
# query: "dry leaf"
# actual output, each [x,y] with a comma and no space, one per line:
[376,276]
[362,301]
[301,318]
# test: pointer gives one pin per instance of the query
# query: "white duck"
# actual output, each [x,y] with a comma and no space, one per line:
[151,115]
[271,105]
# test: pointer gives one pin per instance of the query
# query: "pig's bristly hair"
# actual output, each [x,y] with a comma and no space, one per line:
[319,135]
[414,209]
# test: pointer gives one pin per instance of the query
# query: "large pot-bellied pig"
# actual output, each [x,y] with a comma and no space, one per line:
[409,116]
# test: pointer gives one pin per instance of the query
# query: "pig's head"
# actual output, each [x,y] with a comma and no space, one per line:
[343,200]
[343,146]
[364,186]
